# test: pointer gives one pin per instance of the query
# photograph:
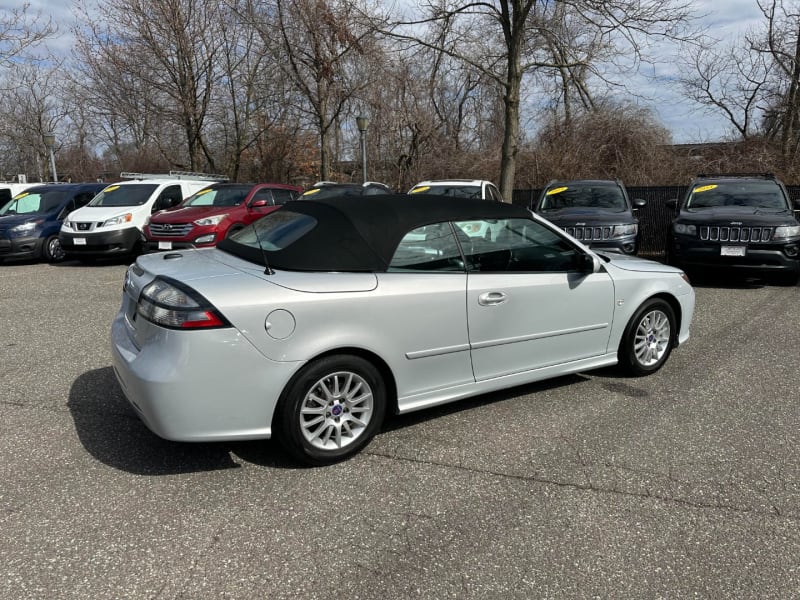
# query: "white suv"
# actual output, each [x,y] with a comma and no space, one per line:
[459,188]
[113,222]
[464,188]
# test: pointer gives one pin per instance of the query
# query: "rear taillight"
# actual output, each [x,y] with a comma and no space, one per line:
[171,304]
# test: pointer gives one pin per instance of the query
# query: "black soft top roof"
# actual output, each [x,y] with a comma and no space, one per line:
[361,233]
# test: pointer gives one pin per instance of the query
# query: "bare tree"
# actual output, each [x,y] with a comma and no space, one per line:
[731,80]
[21,30]
[506,39]
[325,43]
[781,45]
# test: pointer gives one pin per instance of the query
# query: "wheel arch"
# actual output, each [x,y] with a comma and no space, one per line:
[675,305]
[371,357]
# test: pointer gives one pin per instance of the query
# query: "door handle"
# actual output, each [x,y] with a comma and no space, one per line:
[491,298]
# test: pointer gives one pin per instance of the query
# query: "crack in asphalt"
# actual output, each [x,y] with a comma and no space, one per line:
[589,487]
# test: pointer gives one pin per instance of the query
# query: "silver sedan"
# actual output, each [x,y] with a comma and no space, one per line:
[319,318]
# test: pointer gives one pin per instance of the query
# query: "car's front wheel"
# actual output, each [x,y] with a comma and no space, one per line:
[331,409]
[647,341]
[52,250]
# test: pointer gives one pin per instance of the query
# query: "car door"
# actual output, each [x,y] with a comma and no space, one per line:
[423,296]
[529,303]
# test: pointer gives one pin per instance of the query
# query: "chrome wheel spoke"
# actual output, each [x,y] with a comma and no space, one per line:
[336,410]
[652,338]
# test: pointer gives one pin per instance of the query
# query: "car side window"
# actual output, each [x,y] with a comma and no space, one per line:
[169,196]
[71,205]
[263,194]
[517,245]
[494,193]
[283,196]
[428,248]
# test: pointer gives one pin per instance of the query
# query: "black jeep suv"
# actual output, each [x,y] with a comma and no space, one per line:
[742,222]
[596,212]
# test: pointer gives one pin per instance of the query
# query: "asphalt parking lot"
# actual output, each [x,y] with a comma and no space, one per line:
[683,484]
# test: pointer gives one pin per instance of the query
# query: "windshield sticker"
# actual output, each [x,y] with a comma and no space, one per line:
[556,191]
[311,192]
[19,196]
[704,188]
[201,192]
[111,188]
[419,190]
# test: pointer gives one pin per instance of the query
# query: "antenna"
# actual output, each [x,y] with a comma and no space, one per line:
[268,270]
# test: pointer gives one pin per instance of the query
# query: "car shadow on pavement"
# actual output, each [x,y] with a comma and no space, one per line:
[112,433]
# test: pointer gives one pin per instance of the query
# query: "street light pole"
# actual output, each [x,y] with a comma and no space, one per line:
[50,141]
[362,123]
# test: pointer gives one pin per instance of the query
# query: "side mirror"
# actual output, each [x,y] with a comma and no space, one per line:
[672,203]
[639,203]
[587,263]
[258,203]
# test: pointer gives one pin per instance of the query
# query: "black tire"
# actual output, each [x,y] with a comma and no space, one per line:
[52,250]
[787,279]
[648,338]
[297,425]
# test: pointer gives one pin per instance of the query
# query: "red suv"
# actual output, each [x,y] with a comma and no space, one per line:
[213,213]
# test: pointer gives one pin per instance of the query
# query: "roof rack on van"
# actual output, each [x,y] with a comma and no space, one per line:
[734,175]
[188,175]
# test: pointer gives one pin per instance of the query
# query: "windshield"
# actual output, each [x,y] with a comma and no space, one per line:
[754,194]
[221,196]
[455,191]
[34,203]
[133,194]
[608,197]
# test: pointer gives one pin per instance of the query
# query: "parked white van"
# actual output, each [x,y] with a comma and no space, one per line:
[113,222]
[8,190]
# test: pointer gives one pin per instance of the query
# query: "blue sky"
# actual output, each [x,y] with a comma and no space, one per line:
[725,19]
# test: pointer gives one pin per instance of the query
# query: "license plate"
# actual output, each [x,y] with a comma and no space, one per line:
[733,250]
[165,245]
[79,241]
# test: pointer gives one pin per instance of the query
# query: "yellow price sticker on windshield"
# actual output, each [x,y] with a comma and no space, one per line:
[556,191]
[311,192]
[704,188]
[20,196]
[419,190]
[201,192]
[111,188]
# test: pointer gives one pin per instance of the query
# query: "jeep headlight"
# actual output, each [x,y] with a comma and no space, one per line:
[683,229]
[118,220]
[215,220]
[786,231]
[625,230]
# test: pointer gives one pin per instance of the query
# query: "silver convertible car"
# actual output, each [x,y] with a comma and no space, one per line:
[319,318]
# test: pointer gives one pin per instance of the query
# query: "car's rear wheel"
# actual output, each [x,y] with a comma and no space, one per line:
[331,409]
[647,341]
[52,250]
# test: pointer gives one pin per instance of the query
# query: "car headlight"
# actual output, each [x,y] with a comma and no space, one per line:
[119,220]
[625,230]
[215,220]
[683,229]
[786,231]
[25,228]
[67,224]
